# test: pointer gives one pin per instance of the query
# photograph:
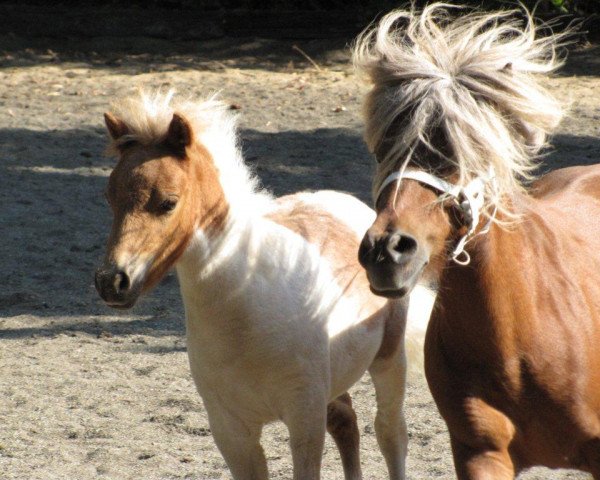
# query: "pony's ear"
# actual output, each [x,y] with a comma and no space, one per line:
[179,135]
[115,126]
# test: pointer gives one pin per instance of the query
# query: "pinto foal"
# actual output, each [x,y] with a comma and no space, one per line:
[280,320]
[455,119]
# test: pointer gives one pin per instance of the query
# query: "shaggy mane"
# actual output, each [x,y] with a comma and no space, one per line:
[462,89]
[148,115]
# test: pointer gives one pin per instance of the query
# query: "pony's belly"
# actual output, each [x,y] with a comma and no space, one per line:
[557,435]
[533,448]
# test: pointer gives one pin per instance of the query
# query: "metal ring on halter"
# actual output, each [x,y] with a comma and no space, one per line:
[469,199]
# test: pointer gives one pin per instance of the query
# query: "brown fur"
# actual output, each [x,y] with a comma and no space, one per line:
[511,353]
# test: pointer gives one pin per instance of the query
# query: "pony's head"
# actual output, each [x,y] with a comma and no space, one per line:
[455,119]
[163,188]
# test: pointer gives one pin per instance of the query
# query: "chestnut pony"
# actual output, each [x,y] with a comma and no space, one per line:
[279,317]
[455,119]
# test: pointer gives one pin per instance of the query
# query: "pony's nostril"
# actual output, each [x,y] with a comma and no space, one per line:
[401,247]
[406,244]
[121,282]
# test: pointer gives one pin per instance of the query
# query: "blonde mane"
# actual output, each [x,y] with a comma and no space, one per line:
[462,87]
[148,115]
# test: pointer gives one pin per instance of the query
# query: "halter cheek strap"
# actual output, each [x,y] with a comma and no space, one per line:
[469,200]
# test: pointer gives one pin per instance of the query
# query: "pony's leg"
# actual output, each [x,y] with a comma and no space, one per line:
[389,379]
[306,419]
[342,426]
[239,443]
[472,464]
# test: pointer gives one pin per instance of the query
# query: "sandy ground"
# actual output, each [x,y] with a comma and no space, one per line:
[89,393]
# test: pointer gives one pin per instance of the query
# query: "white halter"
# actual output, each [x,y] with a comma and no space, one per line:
[469,200]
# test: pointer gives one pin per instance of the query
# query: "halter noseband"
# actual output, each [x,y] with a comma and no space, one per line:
[468,199]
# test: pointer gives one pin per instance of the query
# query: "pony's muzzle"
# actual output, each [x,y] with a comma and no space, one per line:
[114,286]
[388,259]
[395,247]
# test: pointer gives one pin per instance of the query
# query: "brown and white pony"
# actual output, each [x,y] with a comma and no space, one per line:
[279,317]
[455,119]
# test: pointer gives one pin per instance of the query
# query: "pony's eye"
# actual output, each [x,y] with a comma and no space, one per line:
[167,205]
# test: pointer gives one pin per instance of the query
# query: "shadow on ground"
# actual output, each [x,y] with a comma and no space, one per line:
[137,55]
[582,61]
[55,220]
[134,55]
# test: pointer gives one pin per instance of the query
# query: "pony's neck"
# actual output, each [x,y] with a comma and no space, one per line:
[209,252]
[478,304]
[217,251]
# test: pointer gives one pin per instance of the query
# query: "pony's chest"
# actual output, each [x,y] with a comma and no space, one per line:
[241,391]
[252,373]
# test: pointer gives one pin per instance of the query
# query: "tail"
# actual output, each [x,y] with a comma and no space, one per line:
[461,86]
[419,310]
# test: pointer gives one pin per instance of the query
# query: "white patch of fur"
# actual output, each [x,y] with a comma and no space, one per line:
[277,289]
[358,217]
[470,75]
[271,334]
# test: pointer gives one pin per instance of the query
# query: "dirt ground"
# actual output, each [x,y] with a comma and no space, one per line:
[86,392]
